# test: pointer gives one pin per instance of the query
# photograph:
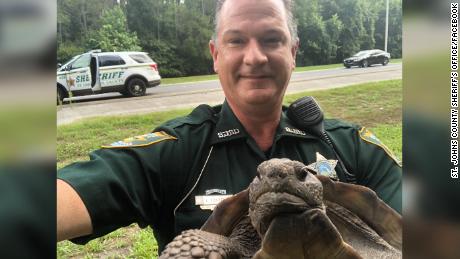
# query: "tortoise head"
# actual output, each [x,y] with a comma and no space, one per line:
[282,187]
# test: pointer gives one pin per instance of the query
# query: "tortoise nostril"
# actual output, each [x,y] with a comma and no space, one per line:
[277,174]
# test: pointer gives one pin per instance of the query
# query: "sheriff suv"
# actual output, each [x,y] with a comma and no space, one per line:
[129,73]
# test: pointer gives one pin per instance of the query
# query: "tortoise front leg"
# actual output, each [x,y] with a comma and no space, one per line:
[227,214]
[364,202]
[201,244]
[212,240]
[308,235]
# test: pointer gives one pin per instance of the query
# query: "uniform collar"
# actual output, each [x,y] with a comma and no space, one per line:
[228,127]
[288,129]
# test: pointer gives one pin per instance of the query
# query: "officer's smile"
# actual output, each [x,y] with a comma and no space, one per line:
[249,76]
[256,78]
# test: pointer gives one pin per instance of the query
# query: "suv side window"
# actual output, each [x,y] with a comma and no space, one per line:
[81,62]
[141,58]
[110,60]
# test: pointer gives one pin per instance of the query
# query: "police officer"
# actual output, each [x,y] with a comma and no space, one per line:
[171,178]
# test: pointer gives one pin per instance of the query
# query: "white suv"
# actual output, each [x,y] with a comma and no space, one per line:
[129,73]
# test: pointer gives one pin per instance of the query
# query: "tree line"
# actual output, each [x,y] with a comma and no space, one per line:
[176,32]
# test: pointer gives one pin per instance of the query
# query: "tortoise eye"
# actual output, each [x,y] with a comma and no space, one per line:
[301,174]
[310,170]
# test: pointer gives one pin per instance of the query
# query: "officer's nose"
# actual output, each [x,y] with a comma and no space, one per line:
[254,54]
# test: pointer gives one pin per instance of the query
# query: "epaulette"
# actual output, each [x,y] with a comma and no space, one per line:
[331,124]
[199,115]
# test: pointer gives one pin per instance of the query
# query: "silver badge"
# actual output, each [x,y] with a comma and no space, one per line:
[324,166]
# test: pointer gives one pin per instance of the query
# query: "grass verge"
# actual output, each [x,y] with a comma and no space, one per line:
[374,105]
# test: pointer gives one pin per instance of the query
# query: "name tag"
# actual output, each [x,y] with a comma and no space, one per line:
[208,202]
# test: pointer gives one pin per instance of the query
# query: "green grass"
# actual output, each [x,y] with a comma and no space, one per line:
[74,141]
[188,79]
[367,104]
[319,67]
[391,136]
[374,105]
[121,242]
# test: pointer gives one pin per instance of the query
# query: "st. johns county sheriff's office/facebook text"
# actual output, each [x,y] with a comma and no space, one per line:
[454,90]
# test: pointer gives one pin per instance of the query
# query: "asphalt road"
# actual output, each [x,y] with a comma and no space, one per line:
[166,97]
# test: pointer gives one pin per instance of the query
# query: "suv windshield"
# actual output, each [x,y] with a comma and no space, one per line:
[63,67]
[82,61]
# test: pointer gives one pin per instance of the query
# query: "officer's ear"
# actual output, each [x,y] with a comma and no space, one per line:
[294,48]
[214,54]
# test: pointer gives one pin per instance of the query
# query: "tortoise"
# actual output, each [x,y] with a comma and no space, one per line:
[290,211]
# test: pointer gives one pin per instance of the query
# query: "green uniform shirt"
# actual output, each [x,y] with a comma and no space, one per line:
[154,179]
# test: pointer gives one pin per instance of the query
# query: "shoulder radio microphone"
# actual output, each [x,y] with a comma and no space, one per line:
[307,115]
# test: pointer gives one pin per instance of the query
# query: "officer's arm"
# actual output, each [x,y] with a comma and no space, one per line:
[72,216]
[379,169]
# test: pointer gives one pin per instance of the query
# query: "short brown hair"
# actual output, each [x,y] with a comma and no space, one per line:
[292,25]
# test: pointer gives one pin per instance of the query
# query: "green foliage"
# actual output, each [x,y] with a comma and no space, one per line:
[67,50]
[176,33]
[166,57]
[394,28]
[312,34]
[194,35]
[75,18]
[331,30]
[113,35]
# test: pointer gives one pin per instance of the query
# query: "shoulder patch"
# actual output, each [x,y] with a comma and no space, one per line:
[142,140]
[369,137]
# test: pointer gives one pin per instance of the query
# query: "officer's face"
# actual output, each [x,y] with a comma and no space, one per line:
[254,54]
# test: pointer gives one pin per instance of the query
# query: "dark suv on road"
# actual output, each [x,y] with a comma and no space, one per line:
[366,58]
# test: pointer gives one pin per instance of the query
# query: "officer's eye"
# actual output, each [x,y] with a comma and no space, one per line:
[235,41]
[272,40]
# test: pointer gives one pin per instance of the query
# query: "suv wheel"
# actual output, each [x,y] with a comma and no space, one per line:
[135,87]
[364,63]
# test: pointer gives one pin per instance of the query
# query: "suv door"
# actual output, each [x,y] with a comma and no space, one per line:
[111,71]
[79,75]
